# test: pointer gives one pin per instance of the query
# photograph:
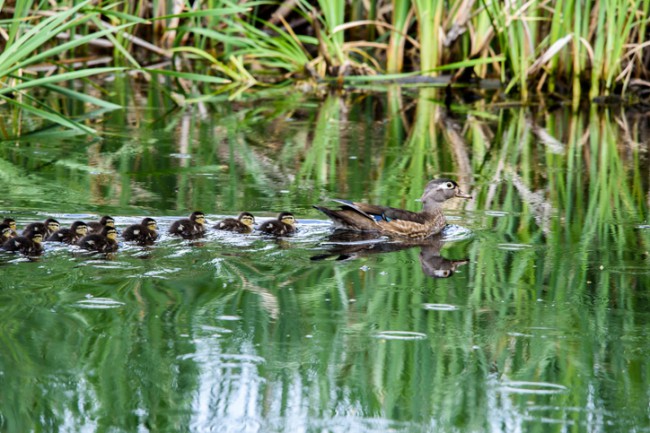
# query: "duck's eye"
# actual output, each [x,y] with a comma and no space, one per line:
[450,185]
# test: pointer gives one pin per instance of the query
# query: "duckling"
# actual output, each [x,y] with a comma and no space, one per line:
[243,224]
[12,225]
[98,226]
[285,224]
[5,233]
[28,246]
[77,230]
[104,242]
[144,233]
[191,228]
[46,228]
[398,222]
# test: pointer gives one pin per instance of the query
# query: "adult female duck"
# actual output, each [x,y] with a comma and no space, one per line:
[398,222]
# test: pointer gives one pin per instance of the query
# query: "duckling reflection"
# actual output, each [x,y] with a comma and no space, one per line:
[345,245]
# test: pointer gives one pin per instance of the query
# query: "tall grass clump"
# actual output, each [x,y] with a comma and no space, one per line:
[31,42]
[584,49]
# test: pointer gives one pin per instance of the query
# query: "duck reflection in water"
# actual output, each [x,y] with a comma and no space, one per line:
[346,245]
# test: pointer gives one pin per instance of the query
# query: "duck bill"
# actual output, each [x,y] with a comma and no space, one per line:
[461,194]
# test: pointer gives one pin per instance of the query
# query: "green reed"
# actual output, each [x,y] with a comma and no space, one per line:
[222,46]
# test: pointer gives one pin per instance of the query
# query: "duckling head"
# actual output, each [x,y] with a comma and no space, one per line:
[107,221]
[80,228]
[198,217]
[10,222]
[5,232]
[247,218]
[150,223]
[109,233]
[37,238]
[287,218]
[52,225]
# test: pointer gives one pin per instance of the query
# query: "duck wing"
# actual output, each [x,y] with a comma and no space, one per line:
[431,224]
[382,213]
[349,217]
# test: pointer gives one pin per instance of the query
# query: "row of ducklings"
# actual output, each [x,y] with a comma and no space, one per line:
[101,236]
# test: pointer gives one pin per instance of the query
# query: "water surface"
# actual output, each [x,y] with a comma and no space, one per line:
[536,318]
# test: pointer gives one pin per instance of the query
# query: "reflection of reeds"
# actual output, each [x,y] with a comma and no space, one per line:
[554,292]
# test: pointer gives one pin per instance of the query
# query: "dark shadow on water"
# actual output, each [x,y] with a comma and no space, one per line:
[348,245]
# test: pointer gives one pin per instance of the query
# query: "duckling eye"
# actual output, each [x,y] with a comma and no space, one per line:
[450,185]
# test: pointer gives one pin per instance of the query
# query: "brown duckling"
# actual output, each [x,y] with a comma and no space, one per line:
[77,230]
[144,233]
[104,242]
[398,222]
[28,246]
[191,228]
[12,225]
[243,224]
[98,226]
[285,224]
[45,228]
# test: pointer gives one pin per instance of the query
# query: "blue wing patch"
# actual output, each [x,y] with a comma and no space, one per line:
[381,217]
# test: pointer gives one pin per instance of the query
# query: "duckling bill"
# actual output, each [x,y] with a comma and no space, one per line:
[243,224]
[144,233]
[395,222]
[284,224]
[189,228]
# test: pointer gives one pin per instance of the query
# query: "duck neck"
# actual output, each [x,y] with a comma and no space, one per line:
[431,206]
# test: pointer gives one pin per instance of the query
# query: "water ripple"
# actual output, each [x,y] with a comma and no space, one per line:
[400,335]
[523,387]
[513,247]
[440,307]
[99,303]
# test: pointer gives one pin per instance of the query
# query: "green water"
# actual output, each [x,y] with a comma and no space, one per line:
[542,327]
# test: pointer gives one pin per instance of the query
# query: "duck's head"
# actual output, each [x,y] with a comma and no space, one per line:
[37,237]
[287,218]
[109,232]
[52,224]
[10,222]
[149,223]
[5,232]
[198,217]
[247,218]
[439,190]
[80,228]
[107,221]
